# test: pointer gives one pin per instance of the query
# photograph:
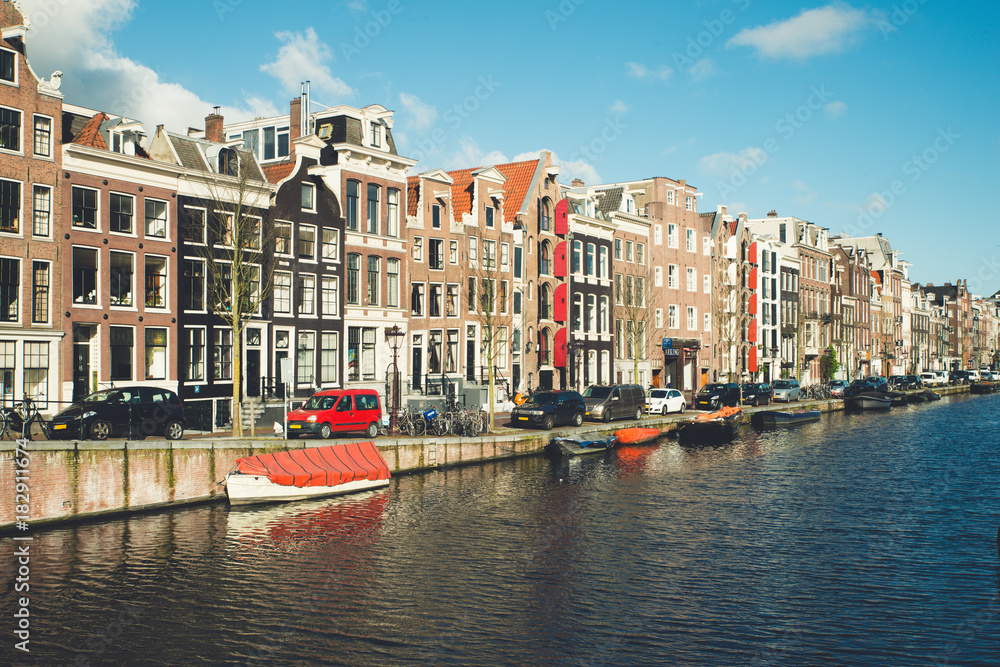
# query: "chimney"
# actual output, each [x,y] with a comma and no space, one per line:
[772,213]
[683,182]
[295,119]
[213,127]
[577,183]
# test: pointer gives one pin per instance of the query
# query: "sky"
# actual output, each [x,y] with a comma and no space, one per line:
[861,118]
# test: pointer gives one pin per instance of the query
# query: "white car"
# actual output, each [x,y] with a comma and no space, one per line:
[662,401]
[931,379]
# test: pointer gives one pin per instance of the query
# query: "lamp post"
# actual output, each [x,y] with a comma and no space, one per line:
[774,360]
[577,350]
[392,336]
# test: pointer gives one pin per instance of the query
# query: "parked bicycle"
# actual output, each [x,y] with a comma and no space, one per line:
[19,418]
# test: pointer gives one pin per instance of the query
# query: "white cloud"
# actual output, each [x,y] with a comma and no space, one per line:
[469,154]
[835,109]
[669,151]
[619,107]
[725,164]
[807,196]
[702,69]
[640,71]
[423,114]
[303,57]
[568,169]
[814,32]
[358,5]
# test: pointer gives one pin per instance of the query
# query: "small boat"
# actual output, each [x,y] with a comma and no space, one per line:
[869,400]
[772,418]
[932,395]
[637,435]
[583,444]
[307,473]
[713,427]
[980,387]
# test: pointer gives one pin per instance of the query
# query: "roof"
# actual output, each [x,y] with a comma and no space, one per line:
[519,177]
[279,171]
[412,195]
[90,133]
[461,193]
[611,201]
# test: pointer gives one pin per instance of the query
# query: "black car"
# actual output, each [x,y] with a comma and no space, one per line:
[132,412]
[757,393]
[716,395]
[550,408]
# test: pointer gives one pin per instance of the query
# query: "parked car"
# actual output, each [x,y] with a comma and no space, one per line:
[931,379]
[131,412]
[550,408]
[973,376]
[757,393]
[662,401]
[877,383]
[716,395]
[837,388]
[615,401]
[337,411]
[958,377]
[787,390]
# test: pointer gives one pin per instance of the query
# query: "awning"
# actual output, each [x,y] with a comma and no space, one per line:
[318,466]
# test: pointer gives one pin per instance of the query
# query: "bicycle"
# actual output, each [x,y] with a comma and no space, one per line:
[19,418]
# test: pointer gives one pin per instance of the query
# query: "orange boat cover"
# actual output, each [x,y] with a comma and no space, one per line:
[319,466]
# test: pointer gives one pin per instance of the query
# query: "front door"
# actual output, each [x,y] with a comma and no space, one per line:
[253,373]
[418,367]
[470,360]
[279,385]
[81,370]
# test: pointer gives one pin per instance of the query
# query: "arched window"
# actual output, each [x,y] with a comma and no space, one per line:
[543,348]
[545,224]
[544,258]
[228,163]
[545,303]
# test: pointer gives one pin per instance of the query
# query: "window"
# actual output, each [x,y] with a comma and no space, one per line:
[518,253]
[196,354]
[658,319]
[85,276]
[782,234]
[328,295]
[602,262]
[689,205]
[672,276]
[489,217]
[8,65]
[121,213]
[392,285]
[376,134]
[603,315]
[618,248]
[194,283]
[10,206]
[418,249]
[692,320]
[436,216]
[374,279]
[352,205]
[10,129]
[417,299]
[353,279]
[40,284]
[473,249]
[307,242]
[545,223]
[628,251]
[392,213]
[435,254]
[329,355]
[619,298]
[43,136]
[222,354]
[10,288]
[691,243]
[575,260]
[451,355]
[708,321]
[543,259]
[503,297]
[307,294]
[156,218]
[453,252]
[658,234]
[517,302]
[305,357]
[156,354]
[629,290]
[590,313]
[282,294]
[282,238]
[640,291]
[658,276]
[434,305]
[706,246]
[122,278]
[193,226]
[84,208]
[504,255]
[43,210]
[490,254]
[373,194]
[707,283]
[471,295]
[228,162]
[309,197]
[434,352]
[672,317]
[671,235]
[330,248]
[640,253]
[368,354]
[156,282]
[121,353]
[692,280]
[588,264]
[36,372]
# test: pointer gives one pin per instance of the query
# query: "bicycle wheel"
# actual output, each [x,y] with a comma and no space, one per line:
[475,427]
[26,410]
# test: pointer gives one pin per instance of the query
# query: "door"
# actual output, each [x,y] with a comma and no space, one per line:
[253,373]
[279,386]
[470,359]
[81,370]
[345,418]
[418,367]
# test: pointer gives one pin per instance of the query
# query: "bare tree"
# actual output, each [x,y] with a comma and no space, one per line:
[493,314]
[239,255]
[730,319]
[634,310]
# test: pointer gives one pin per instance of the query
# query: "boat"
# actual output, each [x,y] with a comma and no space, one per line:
[637,435]
[313,472]
[980,387]
[932,395]
[771,418]
[713,427]
[583,444]
[868,400]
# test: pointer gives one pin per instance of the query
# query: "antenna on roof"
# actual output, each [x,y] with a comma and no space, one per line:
[304,116]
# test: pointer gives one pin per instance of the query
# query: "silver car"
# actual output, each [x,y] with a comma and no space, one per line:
[787,391]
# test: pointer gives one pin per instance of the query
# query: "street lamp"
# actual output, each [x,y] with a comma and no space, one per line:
[577,349]
[392,336]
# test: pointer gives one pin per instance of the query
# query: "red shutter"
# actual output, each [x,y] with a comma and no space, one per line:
[559,305]
[753,278]
[562,217]
[559,266]
[753,254]
[752,333]
[559,348]
[753,305]
[753,359]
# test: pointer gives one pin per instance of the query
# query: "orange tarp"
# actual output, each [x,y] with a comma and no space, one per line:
[319,466]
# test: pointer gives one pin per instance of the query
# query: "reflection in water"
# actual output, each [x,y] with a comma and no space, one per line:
[861,539]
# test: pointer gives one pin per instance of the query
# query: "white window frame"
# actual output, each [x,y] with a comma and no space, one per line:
[692,318]
[300,279]
[672,276]
[166,219]
[306,186]
[658,276]
[658,234]
[672,317]
[329,307]
[20,142]
[692,279]
[34,134]
[690,240]
[672,241]
[15,82]
[334,256]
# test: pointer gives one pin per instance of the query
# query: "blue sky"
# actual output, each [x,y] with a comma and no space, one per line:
[867,118]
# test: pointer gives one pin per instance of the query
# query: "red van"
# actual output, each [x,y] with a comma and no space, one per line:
[337,411]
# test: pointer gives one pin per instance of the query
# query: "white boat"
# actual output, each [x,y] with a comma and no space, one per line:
[312,472]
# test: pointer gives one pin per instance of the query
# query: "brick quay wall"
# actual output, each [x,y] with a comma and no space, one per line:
[73,480]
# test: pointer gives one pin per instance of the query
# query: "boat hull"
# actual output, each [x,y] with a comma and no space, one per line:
[774,418]
[582,445]
[637,436]
[250,489]
[869,401]
[710,431]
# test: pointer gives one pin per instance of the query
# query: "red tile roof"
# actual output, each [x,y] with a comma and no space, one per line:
[90,134]
[412,195]
[277,172]
[461,193]
[519,175]
[877,276]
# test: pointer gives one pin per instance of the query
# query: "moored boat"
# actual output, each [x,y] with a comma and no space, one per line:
[713,427]
[306,473]
[868,400]
[583,444]
[983,387]
[637,435]
[771,418]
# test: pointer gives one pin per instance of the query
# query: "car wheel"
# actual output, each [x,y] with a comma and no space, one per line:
[607,415]
[372,430]
[100,430]
[665,410]
[683,407]
[578,419]
[548,423]
[638,414]
[325,431]
[173,430]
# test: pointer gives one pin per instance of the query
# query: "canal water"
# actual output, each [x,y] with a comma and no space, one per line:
[864,539]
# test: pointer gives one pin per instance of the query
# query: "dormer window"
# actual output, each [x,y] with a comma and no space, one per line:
[116,142]
[228,164]
[376,134]
[489,216]
[8,65]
